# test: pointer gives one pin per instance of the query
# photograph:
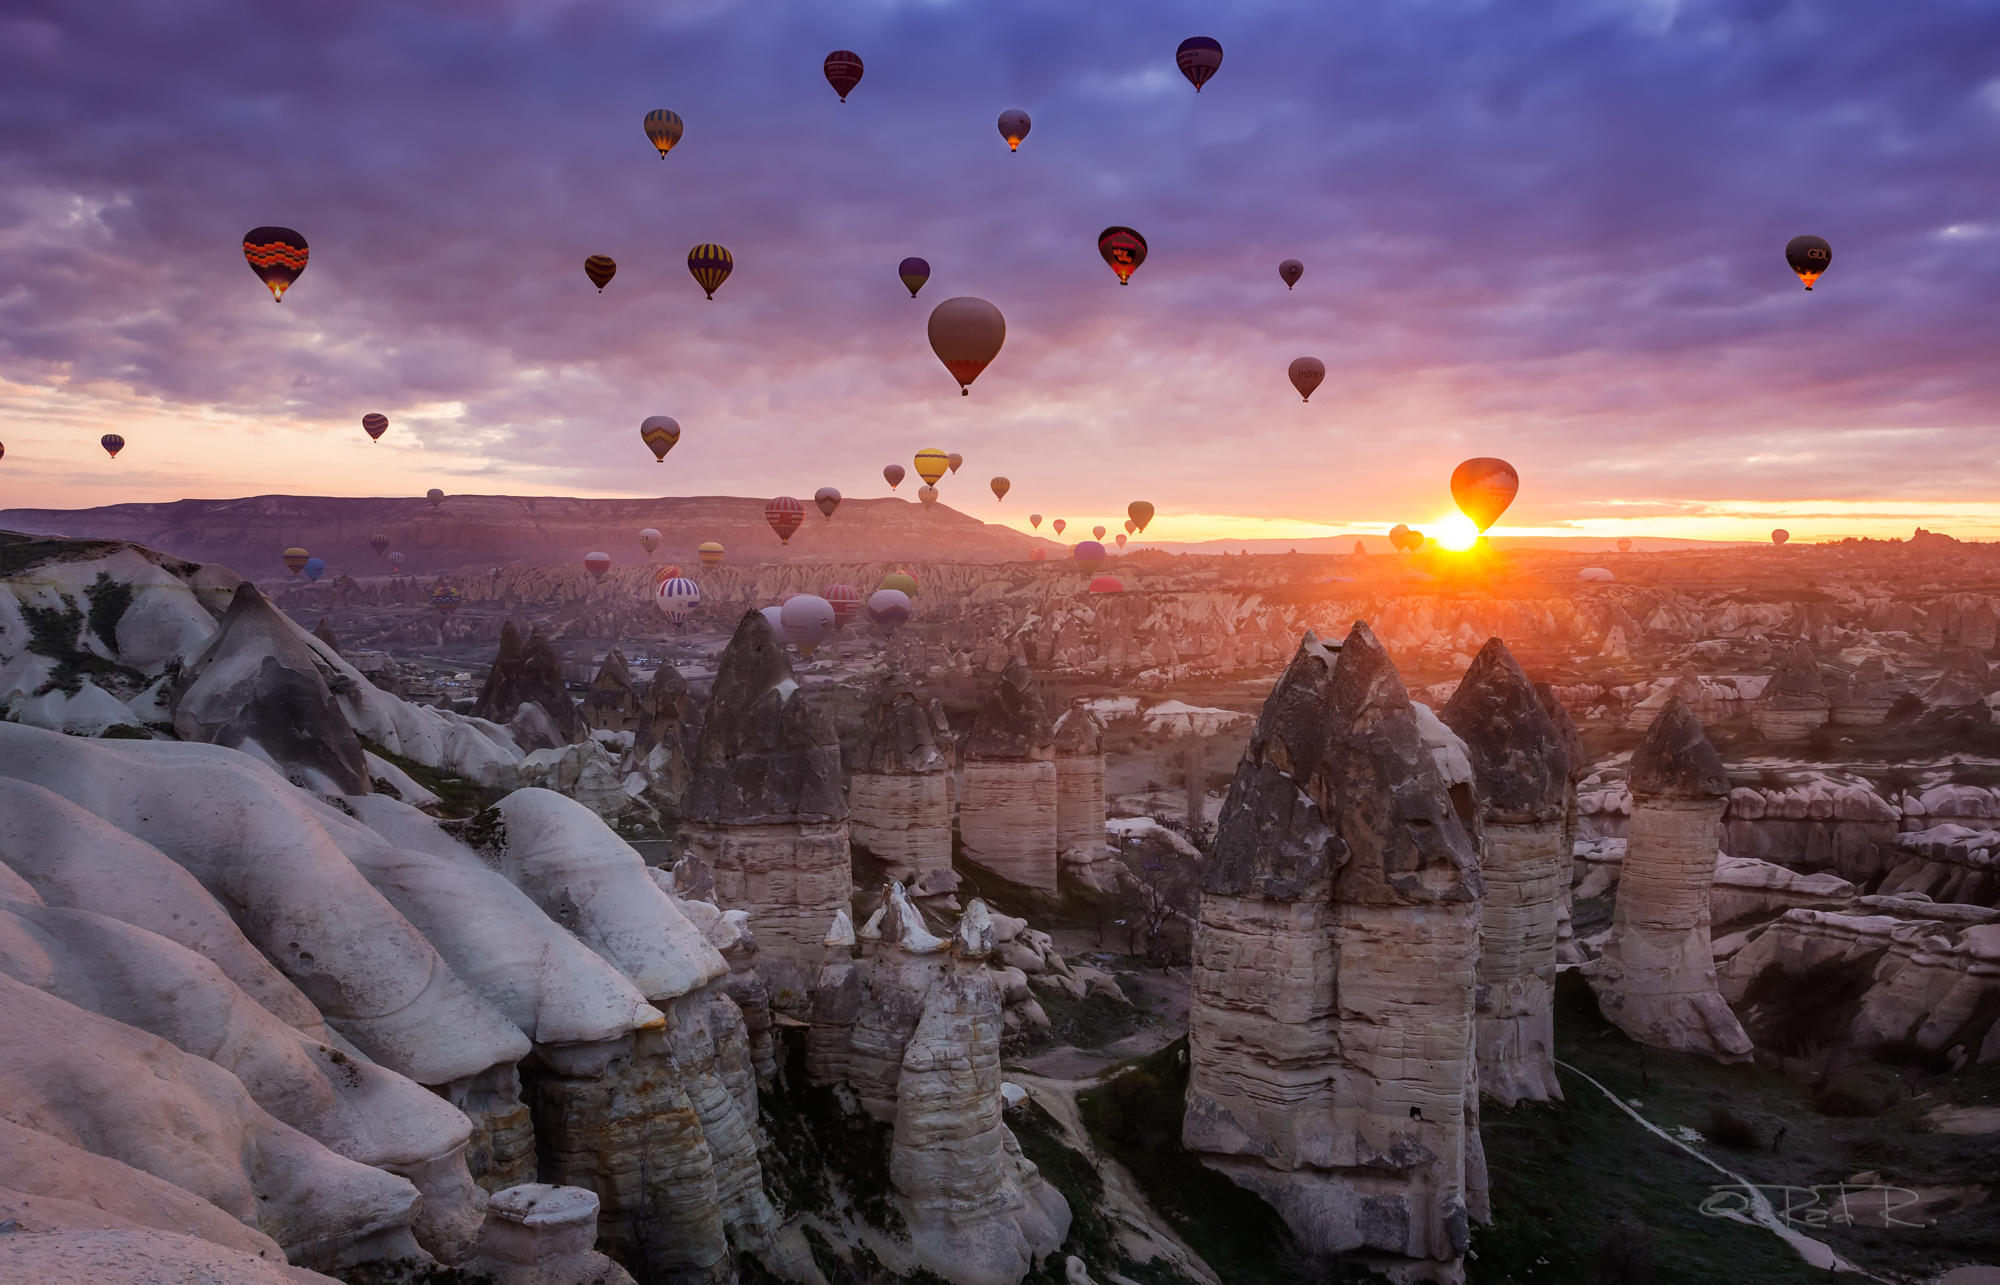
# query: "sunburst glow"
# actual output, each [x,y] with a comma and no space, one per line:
[1455,532]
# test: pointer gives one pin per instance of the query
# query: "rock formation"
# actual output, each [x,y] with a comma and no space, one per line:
[912,1028]
[529,672]
[899,795]
[1866,697]
[612,703]
[764,812]
[1965,681]
[536,1234]
[1794,701]
[1080,848]
[1007,817]
[1332,1028]
[1522,768]
[1656,978]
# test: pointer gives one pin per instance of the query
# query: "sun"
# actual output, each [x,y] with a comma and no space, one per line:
[1455,532]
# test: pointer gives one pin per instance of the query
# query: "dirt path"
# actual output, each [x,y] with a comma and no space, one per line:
[1142,1232]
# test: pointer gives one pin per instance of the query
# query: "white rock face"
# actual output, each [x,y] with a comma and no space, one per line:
[1080,848]
[136,1257]
[1656,977]
[899,797]
[1007,805]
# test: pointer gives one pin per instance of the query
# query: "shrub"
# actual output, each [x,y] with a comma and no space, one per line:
[1727,1129]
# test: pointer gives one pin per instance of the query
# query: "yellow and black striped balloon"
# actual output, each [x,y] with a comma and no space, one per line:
[277,256]
[600,268]
[664,128]
[710,265]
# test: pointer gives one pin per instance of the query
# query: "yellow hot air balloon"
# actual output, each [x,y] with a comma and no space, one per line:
[295,559]
[659,433]
[900,580]
[664,128]
[966,334]
[710,553]
[710,265]
[1000,487]
[931,464]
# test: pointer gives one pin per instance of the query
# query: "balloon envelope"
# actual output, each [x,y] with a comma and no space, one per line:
[785,514]
[954,459]
[1198,57]
[446,599]
[1808,256]
[1122,538]
[901,581]
[966,334]
[112,444]
[664,128]
[1059,524]
[1483,488]
[659,433]
[597,564]
[889,608]
[914,272]
[843,71]
[1141,513]
[1306,374]
[1780,535]
[1598,574]
[315,568]
[396,560]
[1624,546]
[375,424]
[435,496]
[710,553]
[1097,531]
[893,475]
[295,559]
[1000,487]
[378,542]
[277,256]
[927,496]
[806,619]
[677,597]
[1039,554]
[827,499]
[1124,249]
[1088,554]
[1289,272]
[846,600]
[775,618]
[649,539]
[600,268]
[1035,521]
[710,265]
[1014,126]
[931,464]
[1107,584]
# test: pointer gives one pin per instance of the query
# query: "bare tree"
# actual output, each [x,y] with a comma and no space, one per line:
[1164,887]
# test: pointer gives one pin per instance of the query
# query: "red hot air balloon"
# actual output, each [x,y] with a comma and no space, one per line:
[597,564]
[1122,538]
[1306,374]
[827,499]
[785,515]
[1059,524]
[1035,521]
[843,71]
[277,256]
[1124,250]
[893,475]
[112,444]
[1097,531]
[846,600]
[1107,584]
[374,423]
[1198,57]
[914,272]
[1483,488]
[1779,536]
[966,334]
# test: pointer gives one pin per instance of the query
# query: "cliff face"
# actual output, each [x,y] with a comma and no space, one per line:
[1007,817]
[1795,700]
[1080,846]
[1523,772]
[1656,978]
[898,797]
[1332,1027]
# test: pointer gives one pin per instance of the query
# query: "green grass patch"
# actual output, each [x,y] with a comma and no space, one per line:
[1093,1236]
[824,1159]
[1088,1023]
[457,797]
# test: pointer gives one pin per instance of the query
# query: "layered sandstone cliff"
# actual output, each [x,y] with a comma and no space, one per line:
[1080,847]
[899,793]
[1007,812]
[1795,700]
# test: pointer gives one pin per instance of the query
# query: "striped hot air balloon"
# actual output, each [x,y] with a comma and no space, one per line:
[396,560]
[664,128]
[1198,57]
[600,268]
[710,553]
[843,71]
[597,564]
[785,515]
[374,423]
[446,599]
[846,600]
[659,433]
[295,559]
[112,444]
[1000,487]
[277,256]
[710,265]
[931,464]
[677,597]
[378,542]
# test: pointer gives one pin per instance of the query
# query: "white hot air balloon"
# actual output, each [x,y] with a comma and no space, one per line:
[677,597]
[806,620]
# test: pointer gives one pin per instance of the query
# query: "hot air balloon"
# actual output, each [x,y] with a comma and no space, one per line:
[667,573]
[1289,272]
[1130,526]
[1415,540]
[1141,513]
[378,542]
[889,608]
[966,334]
[1059,524]
[954,459]
[277,256]
[1097,531]
[931,464]
[315,568]
[1035,521]
[1122,538]
[828,500]
[1107,584]
[1306,374]
[1598,574]
[845,600]
[1038,554]
[597,564]
[914,272]
[1624,546]
[710,265]
[901,581]
[600,268]
[1808,256]
[649,539]
[710,553]
[1089,555]
[927,495]
[396,561]
[1483,488]
[3,450]
[112,444]
[664,128]
[1014,126]
[435,496]
[774,618]
[1780,535]
[659,433]
[375,424]
[446,599]
[295,560]
[893,475]
[843,71]
[1124,250]
[1000,487]
[785,515]
[1198,57]
[806,619]
[677,597]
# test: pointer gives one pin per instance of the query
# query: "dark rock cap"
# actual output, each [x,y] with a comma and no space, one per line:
[766,754]
[1675,761]
[896,735]
[1079,731]
[662,710]
[615,670]
[1011,723]
[1517,754]
[1578,756]
[1797,682]
[529,671]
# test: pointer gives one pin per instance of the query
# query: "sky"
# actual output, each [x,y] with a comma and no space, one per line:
[1551,232]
